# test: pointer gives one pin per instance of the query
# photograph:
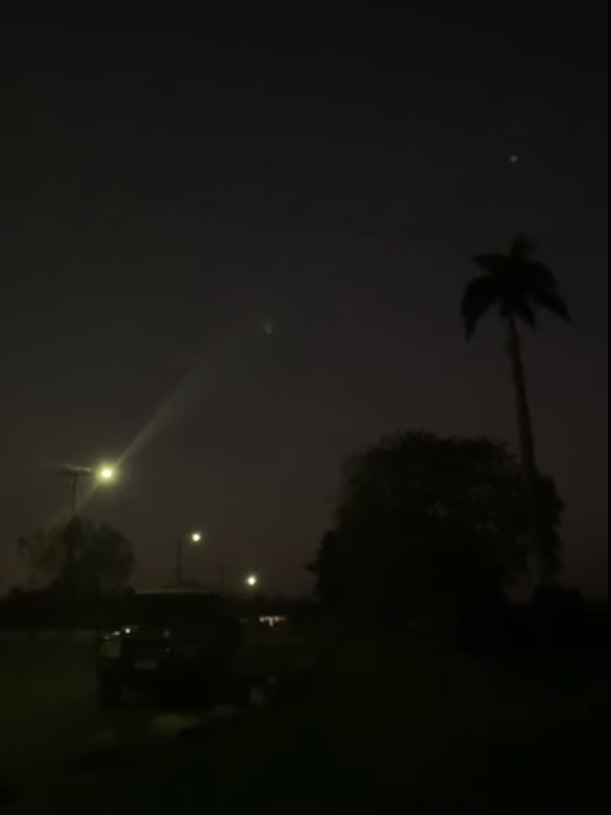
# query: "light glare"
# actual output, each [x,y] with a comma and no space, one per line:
[106,473]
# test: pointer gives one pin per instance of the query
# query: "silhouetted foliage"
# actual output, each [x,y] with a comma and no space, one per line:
[81,555]
[426,523]
[514,283]
[518,286]
[557,617]
[489,623]
[325,568]
[52,608]
[44,608]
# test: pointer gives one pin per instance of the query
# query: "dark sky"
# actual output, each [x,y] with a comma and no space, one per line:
[330,168]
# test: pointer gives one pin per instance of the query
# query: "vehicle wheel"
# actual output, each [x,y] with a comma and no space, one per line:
[110,692]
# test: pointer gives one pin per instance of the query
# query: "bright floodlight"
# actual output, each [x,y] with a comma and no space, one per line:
[252,580]
[106,473]
[196,537]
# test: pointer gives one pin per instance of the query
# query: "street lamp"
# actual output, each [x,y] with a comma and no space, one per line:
[252,581]
[102,474]
[106,474]
[194,538]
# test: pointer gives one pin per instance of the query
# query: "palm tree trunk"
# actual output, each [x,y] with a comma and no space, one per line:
[527,448]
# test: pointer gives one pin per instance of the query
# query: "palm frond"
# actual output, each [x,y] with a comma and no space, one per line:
[518,306]
[522,248]
[517,282]
[479,295]
[494,265]
[537,275]
[551,300]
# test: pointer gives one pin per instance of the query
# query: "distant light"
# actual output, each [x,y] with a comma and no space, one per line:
[514,159]
[196,537]
[252,580]
[272,621]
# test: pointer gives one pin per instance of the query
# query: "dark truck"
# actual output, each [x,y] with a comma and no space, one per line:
[165,639]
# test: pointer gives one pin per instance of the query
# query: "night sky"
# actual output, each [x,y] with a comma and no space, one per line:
[173,190]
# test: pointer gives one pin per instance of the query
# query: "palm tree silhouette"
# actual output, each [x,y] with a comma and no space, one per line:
[519,286]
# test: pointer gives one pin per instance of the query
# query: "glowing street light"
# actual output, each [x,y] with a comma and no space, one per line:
[194,538]
[106,474]
[103,474]
[252,581]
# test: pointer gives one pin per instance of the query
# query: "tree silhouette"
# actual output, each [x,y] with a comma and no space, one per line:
[325,568]
[518,286]
[81,557]
[426,523]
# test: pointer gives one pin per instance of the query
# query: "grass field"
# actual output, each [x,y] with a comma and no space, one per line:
[392,721]
[46,708]
[49,715]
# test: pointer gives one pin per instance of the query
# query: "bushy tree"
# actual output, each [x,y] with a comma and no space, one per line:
[82,557]
[424,522]
[325,569]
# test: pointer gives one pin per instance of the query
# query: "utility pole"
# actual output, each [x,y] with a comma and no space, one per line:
[74,476]
[104,474]
[179,544]
[194,539]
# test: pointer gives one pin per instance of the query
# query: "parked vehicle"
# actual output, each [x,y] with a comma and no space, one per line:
[165,639]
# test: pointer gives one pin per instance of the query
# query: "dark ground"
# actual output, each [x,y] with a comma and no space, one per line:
[392,720]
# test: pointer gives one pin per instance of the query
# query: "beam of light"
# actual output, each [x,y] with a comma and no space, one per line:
[206,376]
[213,367]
